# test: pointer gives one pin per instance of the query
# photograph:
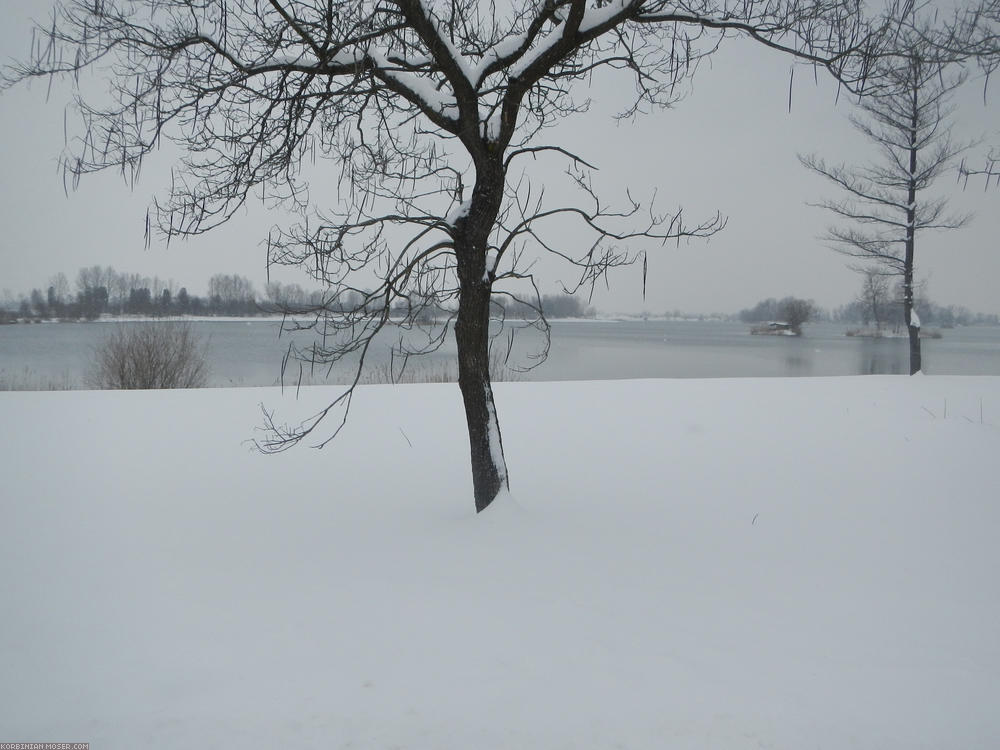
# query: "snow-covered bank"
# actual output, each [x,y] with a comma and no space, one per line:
[782,563]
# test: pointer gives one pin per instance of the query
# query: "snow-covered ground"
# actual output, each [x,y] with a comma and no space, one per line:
[723,564]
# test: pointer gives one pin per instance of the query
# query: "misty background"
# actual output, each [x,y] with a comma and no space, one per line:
[730,145]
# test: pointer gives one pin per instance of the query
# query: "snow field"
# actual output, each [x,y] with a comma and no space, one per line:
[747,563]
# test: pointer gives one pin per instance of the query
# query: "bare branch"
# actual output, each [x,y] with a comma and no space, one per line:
[421,108]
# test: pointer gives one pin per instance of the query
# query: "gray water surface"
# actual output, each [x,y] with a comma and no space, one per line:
[249,353]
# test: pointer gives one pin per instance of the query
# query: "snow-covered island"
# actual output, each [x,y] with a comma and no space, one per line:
[655,580]
[775,328]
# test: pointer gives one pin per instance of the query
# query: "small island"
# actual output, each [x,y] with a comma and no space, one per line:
[779,317]
[774,328]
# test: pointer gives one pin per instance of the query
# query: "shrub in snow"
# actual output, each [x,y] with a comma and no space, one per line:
[150,355]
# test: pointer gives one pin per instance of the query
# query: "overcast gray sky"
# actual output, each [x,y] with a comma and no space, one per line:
[730,145]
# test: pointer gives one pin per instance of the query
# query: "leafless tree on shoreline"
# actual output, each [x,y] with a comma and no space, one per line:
[431,114]
[886,203]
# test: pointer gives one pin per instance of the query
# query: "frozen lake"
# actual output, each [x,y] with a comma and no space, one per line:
[249,353]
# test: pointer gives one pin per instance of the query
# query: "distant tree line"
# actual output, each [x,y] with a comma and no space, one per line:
[553,306]
[101,290]
[878,304]
[931,314]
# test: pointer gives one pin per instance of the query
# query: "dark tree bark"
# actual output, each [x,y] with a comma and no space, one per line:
[911,229]
[489,469]
[472,333]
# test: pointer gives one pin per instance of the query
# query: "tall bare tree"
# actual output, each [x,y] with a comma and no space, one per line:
[431,112]
[887,202]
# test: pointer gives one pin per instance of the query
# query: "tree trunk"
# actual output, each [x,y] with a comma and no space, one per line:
[914,331]
[472,334]
[914,350]
[489,470]
[911,232]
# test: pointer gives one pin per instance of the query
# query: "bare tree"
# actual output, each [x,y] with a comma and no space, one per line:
[874,297]
[59,285]
[89,279]
[285,296]
[432,113]
[150,355]
[796,312]
[887,202]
